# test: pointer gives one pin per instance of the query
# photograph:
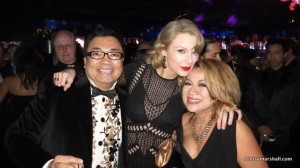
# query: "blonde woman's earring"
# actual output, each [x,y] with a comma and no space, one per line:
[164,64]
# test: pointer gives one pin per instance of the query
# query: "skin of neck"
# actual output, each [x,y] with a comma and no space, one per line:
[203,116]
[164,73]
[69,62]
[275,68]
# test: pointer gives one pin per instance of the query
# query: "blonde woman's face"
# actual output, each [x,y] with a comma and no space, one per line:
[181,55]
[195,94]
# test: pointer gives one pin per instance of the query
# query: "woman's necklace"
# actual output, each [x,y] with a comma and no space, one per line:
[200,137]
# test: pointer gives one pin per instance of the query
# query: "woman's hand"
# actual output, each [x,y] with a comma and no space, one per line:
[226,112]
[65,161]
[64,78]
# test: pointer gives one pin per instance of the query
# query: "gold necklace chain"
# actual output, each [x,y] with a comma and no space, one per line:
[200,137]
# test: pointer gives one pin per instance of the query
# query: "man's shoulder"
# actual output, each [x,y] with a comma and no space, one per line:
[80,80]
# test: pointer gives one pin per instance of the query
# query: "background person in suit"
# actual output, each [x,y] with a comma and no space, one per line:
[273,103]
[67,54]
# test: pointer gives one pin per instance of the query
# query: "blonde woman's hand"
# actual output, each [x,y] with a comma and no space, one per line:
[64,78]
[65,161]
[227,114]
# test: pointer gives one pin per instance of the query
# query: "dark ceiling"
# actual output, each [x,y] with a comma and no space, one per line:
[20,18]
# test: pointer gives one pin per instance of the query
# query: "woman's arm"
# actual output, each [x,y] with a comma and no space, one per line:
[4,88]
[249,154]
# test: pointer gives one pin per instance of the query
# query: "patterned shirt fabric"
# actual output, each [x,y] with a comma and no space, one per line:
[154,107]
[107,131]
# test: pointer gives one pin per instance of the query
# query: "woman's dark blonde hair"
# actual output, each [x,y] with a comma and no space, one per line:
[221,82]
[168,34]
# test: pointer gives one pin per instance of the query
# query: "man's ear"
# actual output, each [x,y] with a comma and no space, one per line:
[84,61]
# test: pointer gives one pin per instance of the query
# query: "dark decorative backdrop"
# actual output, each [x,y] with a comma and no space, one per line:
[136,17]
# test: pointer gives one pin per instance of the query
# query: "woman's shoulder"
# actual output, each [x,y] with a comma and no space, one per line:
[7,86]
[11,80]
[15,87]
[242,128]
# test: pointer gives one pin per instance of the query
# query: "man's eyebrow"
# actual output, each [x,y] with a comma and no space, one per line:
[96,48]
[99,49]
[114,49]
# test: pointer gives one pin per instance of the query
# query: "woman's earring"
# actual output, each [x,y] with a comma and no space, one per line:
[164,64]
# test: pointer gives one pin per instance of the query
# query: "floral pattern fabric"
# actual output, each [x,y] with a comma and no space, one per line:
[107,131]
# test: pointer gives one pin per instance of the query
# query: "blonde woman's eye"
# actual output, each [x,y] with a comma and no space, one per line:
[195,54]
[181,51]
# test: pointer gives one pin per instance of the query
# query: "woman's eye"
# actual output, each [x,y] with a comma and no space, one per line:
[181,51]
[196,54]
[187,83]
[202,85]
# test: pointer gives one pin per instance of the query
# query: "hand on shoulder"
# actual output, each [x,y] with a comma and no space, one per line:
[65,161]
[64,78]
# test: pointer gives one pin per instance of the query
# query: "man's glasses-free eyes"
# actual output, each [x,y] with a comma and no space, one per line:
[66,46]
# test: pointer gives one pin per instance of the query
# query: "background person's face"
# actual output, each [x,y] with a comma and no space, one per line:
[213,51]
[65,48]
[275,56]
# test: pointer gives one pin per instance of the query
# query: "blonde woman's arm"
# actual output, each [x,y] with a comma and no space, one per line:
[64,78]
[226,115]
[249,154]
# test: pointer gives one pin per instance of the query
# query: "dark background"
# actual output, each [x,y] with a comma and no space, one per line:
[131,17]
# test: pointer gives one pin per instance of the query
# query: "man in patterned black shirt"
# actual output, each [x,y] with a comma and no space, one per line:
[82,126]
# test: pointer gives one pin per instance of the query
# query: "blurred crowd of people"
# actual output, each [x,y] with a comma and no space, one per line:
[267,69]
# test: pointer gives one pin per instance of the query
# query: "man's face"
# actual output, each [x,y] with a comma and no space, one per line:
[275,56]
[213,51]
[65,48]
[104,72]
